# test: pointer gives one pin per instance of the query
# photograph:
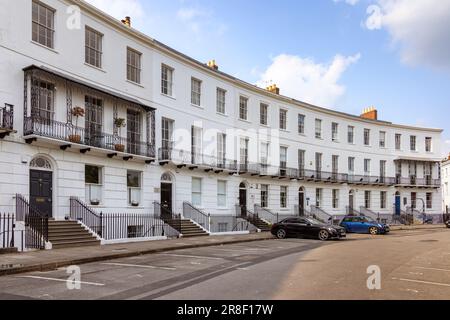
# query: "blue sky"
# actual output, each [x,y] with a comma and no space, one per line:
[339,54]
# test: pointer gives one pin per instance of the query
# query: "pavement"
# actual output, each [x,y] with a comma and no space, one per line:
[52,259]
[413,264]
[418,227]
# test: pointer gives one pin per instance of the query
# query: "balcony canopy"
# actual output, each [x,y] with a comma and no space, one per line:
[70,78]
[417,159]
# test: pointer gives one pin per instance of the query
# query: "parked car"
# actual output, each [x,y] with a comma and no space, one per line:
[358,224]
[308,228]
[448,223]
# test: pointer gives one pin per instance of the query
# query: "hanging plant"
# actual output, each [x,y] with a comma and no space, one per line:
[76,112]
[120,123]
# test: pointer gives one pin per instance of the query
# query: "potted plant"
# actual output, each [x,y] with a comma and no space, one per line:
[76,112]
[134,203]
[119,123]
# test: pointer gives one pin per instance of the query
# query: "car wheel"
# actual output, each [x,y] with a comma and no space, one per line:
[324,235]
[373,230]
[281,234]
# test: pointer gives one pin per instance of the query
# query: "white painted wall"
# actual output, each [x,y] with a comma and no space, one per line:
[18,51]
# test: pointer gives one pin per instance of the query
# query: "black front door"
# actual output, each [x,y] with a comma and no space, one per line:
[41,195]
[301,204]
[166,196]
[243,201]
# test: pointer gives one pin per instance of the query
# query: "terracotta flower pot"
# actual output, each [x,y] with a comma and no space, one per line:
[119,147]
[75,138]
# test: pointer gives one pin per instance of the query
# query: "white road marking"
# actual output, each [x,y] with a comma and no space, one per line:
[424,282]
[62,280]
[434,269]
[138,266]
[188,256]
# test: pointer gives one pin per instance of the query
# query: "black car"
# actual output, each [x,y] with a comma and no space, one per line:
[448,223]
[308,228]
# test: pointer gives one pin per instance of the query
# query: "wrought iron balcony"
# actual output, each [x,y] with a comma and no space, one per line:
[35,126]
[413,181]
[6,120]
[184,158]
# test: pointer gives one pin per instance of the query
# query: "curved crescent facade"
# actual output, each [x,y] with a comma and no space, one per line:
[159,126]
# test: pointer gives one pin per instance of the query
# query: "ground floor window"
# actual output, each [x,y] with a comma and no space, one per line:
[94,184]
[367,199]
[135,231]
[319,197]
[134,187]
[222,194]
[335,199]
[264,196]
[196,191]
[223,227]
[383,202]
[283,196]
[429,201]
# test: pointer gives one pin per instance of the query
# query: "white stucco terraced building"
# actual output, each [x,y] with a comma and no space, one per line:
[156,125]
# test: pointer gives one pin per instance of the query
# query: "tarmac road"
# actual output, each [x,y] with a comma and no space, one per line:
[414,265]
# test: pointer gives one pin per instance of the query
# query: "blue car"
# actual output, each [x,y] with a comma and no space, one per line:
[356,224]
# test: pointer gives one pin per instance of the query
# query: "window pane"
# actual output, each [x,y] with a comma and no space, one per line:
[92,175]
[134,179]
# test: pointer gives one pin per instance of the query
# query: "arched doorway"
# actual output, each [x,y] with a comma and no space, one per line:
[301,201]
[243,198]
[41,185]
[351,201]
[398,203]
[167,191]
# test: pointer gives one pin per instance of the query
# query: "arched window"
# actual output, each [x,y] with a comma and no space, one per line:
[41,164]
[166,178]
[242,186]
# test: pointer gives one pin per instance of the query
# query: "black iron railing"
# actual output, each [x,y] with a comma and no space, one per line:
[81,212]
[7,117]
[69,133]
[197,215]
[118,226]
[189,159]
[36,224]
[166,215]
[419,182]
[321,215]
[7,230]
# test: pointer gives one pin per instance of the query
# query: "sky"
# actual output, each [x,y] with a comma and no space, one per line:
[339,54]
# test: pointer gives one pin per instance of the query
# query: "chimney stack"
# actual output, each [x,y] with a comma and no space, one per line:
[127,22]
[370,113]
[273,88]
[212,64]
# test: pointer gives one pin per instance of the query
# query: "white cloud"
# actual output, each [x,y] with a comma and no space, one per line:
[119,9]
[201,22]
[419,28]
[306,80]
[350,2]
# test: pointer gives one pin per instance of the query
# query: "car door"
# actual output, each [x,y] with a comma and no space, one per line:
[360,225]
[294,227]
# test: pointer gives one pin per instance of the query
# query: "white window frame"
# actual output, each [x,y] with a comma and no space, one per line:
[413,143]
[264,195]
[135,190]
[198,193]
[351,134]
[428,144]
[319,195]
[318,129]
[367,137]
[398,141]
[243,108]
[222,193]
[382,139]
[134,64]
[49,39]
[221,100]
[263,114]
[367,199]
[95,51]
[335,131]
[196,92]
[301,123]
[283,119]
[167,80]
[335,195]
[383,199]
[94,187]
[284,197]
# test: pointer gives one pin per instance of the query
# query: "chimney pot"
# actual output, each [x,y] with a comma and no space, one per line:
[127,21]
